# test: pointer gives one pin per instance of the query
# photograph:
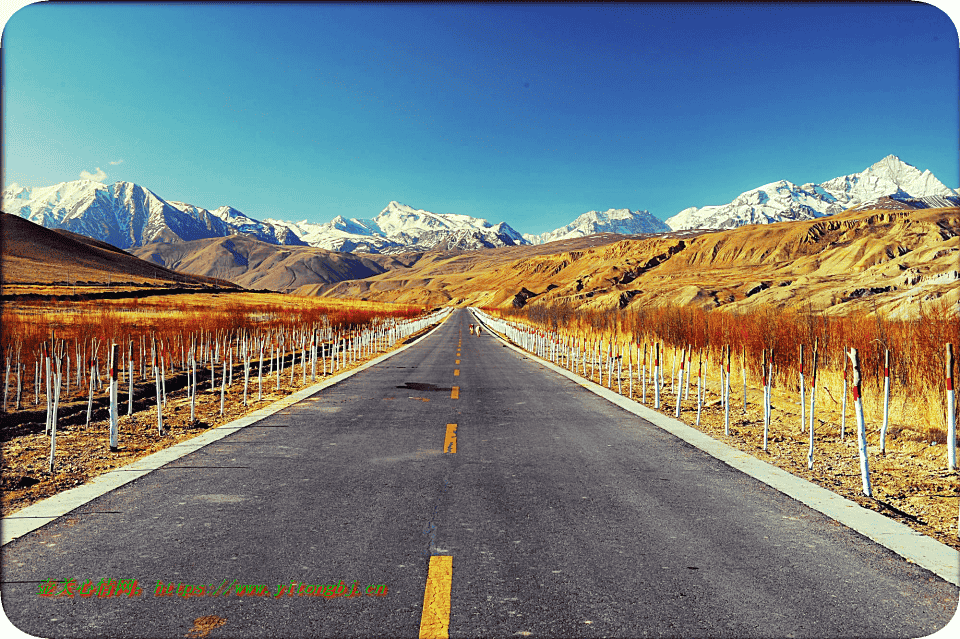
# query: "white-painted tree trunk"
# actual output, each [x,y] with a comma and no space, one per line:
[656,371]
[951,413]
[680,389]
[803,417]
[53,423]
[861,425]
[886,402]
[726,395]
[114,358]
[813,399]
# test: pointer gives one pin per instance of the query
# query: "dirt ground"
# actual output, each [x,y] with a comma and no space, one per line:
[910,482]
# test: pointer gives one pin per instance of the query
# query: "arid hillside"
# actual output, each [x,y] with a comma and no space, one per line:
[257,265]
[34,258]
[857,260]
[465,277]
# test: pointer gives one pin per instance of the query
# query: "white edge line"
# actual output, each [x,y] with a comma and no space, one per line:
[915,547]
[43,512]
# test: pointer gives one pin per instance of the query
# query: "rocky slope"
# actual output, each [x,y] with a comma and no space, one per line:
[893,261]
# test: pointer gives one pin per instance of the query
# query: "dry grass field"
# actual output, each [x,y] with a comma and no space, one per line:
[83,450]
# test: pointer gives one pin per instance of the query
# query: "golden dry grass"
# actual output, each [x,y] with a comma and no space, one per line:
[83,452]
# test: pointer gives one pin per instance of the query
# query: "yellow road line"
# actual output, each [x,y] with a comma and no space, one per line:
[450,441]
[435,620]
[457,362]
[455,393]
[456,372]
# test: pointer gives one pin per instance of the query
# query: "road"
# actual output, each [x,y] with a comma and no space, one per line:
[563,515]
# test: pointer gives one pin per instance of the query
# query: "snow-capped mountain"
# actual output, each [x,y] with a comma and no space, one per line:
[245,225]
[400,228]
[784,200]
[122,214]
[128,215]
[622,221]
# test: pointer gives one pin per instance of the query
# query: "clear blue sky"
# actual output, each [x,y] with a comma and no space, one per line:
[527,114]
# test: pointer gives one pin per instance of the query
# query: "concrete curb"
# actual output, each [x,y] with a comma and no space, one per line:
[915,547]
[43,512]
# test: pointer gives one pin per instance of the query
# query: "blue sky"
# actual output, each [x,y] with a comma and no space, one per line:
[527,114]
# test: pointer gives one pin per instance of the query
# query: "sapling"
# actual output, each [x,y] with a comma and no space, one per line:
[803,417]
[46,359]
[619,369]
[726,393]
[643,376]
[130,379]
[861,425]
[843,403]
[886,401]
[6,381]
[673,371]
[679,390]
[112,391]
[53,426]
[656,382]
[699,383]
[260,373]
[223,386]
[90,391]
[743,369]
[951,412]
[813,399]
[193,385]
[156,380]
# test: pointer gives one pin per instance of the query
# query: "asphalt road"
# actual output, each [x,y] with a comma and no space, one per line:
[563,514]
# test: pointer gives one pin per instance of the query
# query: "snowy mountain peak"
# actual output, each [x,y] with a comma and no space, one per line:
[400,228]
[127,215]
[784,200]
[622,221]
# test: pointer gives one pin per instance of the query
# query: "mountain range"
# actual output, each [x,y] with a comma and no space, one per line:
[401,229]
[781,201]
[620,221]
[128,215]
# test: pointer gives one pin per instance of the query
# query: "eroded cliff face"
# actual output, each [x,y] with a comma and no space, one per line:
[890,261]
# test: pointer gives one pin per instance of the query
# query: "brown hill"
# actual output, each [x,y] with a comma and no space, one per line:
[462,277]
[857,260]
[33,255]
[254,264]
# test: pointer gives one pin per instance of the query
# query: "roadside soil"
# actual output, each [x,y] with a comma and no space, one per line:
[83,452]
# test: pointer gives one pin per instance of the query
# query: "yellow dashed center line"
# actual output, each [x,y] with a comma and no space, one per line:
[450,441]
[435,621]
[456,372]
[457,362]
[455,393]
